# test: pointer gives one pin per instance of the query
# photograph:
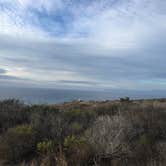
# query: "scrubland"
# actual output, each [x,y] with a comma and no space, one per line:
[83,133]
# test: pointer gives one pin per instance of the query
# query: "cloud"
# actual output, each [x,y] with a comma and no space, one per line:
[106,44]
[2,71]
[42,4]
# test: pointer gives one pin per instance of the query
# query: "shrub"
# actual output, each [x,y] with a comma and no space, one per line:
[145,140]
[48,125]
[13,113]
[78,151]
[17,143]
[107,134]
[107,109]
[75,128]
[82,117]
[46,147]
[125,99]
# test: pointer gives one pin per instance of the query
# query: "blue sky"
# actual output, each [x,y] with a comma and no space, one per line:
[83,44]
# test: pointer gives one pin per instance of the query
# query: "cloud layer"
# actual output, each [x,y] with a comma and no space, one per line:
[86,44]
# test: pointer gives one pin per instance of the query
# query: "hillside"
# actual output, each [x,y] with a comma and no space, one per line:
[83,133]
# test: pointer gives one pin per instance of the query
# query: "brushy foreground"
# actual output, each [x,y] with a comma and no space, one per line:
[108,133]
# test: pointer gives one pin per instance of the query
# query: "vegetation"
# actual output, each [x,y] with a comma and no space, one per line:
[108,133]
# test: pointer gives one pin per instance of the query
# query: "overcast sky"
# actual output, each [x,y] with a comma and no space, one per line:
[83,44]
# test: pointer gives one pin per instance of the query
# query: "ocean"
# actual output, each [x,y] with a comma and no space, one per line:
[50,96]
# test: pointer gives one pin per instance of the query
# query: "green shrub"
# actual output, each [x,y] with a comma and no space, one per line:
[22,130]
[77,150]
[13,113]
[75,128]
[145,140]
[71,140]
[125,99]
[82,117]
[48,124]
[17,143]
[46,147]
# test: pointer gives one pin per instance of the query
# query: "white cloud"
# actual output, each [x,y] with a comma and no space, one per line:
[48,5]
[122,26]
[13,23]
[94,37]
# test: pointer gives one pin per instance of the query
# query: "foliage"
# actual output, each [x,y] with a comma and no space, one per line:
[46,147]
[17,143]
[145,140]
[13,113]
[75,128]
[107,134]
[78,151]
[125,99]
[47,124]
[83,133]
[79,120]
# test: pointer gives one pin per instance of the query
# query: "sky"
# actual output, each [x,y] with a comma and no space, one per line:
[83,44]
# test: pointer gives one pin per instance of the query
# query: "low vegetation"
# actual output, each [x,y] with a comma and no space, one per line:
[108,133]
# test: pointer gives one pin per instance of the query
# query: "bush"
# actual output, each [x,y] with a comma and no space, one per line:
[78,151]
[75,128]
[17,143]
[82,117]
[48,125]
[125,99]
[107,134]
[13,113]
[46,147]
